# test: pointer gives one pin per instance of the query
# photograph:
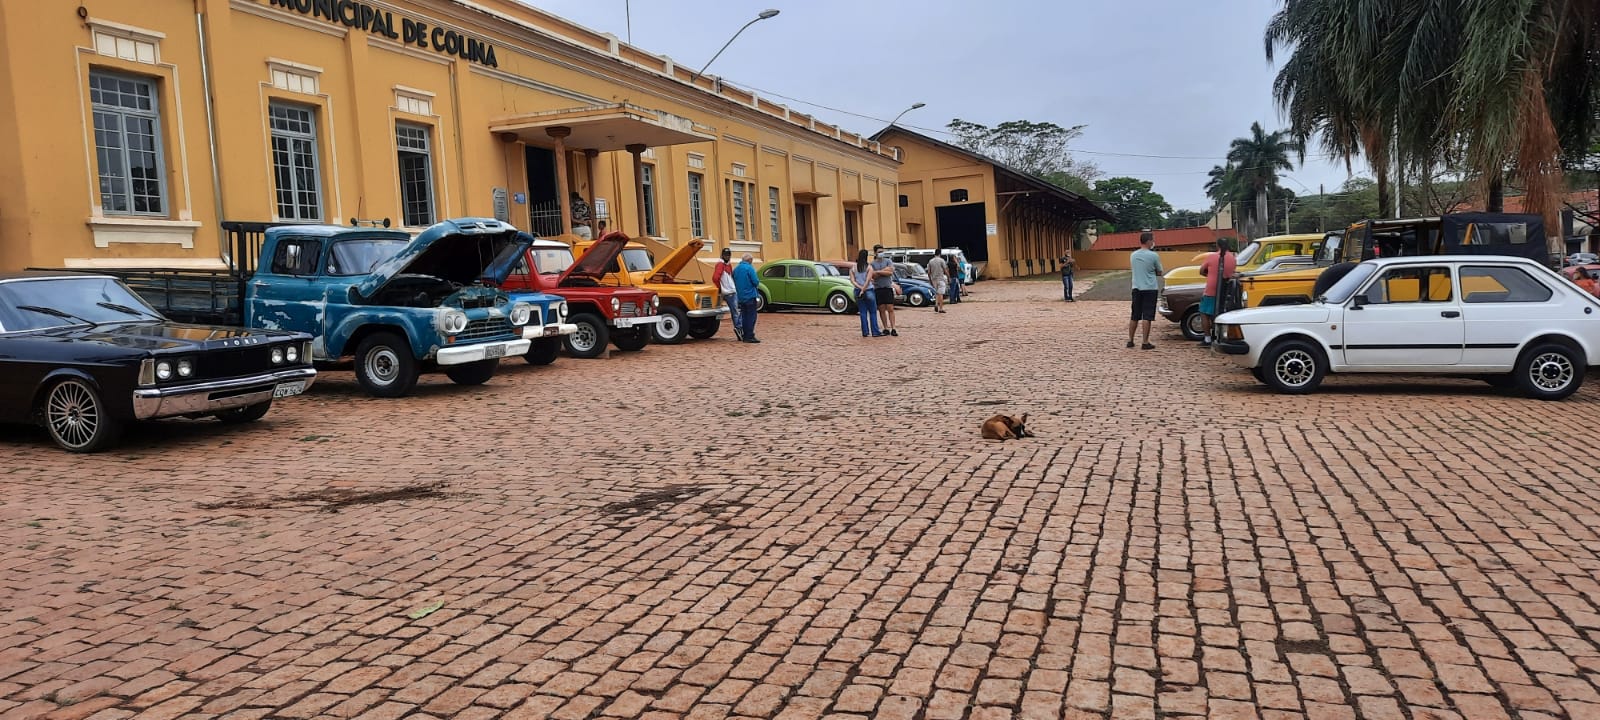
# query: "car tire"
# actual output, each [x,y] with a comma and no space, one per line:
[75,416]
[591,337]
[1259,375]
[631,340]
[473,373]
[543,351]
[839,303]
[1549,371]
[246,414]
[1293,367]
[762,305]
[1333,274]
[702,329]
[384,366]
[916,299]
[672,329]
[1189,324]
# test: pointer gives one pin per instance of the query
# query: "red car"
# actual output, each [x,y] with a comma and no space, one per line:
[620,315]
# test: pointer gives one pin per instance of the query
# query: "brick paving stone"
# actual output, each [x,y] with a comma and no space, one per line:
[1188,544]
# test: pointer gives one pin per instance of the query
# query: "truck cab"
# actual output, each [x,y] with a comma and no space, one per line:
[688,308]
[601,312]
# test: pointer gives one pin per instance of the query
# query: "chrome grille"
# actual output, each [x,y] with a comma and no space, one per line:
[629,308]
[705,302]
[485,328]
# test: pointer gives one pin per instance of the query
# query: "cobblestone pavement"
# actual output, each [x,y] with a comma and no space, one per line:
[810,527]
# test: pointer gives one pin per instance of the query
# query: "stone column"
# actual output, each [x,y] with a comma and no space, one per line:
[637,150]
[559,134]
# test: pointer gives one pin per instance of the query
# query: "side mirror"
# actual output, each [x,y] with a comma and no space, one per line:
[1358,302]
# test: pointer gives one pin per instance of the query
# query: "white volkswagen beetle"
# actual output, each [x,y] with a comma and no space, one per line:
[1507,320]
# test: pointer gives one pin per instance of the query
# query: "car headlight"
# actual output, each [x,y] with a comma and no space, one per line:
[277,356]
[521,313]
[305,352]
[1244,295]
[185,368]
[655,303]
[450,321]
[164,370]
[1232,332]
[292,353]
[616,305]
[562,308]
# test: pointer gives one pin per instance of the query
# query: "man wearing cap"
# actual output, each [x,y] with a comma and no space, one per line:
[722,277]
[883,289]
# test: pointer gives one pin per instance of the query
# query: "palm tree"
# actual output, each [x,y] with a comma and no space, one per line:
[1257,160]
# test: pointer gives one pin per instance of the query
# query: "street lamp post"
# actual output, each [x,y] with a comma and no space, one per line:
[765,15]
[903,112]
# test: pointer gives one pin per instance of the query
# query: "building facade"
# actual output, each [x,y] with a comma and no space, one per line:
[1006,221]
[138,127]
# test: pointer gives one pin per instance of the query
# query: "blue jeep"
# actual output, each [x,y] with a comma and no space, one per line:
[397,306]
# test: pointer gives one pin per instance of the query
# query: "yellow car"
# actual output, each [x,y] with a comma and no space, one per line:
[1251,257]
[688,308]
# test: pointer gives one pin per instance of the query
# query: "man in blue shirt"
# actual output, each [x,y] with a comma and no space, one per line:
[1146,265]
[747,284]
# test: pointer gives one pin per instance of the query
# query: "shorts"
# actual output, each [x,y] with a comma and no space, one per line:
[1208,306]
[1144,304]
[884,295]
[941,287]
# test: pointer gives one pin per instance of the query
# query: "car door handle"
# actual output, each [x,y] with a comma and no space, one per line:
[1450,313]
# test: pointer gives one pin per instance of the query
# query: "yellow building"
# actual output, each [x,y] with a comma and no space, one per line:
[1008,222]
[133,128]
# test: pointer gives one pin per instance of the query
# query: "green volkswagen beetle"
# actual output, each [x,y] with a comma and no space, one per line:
[805,283]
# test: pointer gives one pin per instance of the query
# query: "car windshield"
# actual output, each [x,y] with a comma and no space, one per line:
[362,255]
[637,259]
[1248,252]
[1346,286]
[551,261]
[64,302]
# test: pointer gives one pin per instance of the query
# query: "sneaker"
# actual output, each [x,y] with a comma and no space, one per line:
[1147,346]
[894,332]
[756,340]
[1130,344]
[879,334]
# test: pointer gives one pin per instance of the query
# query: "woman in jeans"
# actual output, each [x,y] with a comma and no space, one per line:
[866,306]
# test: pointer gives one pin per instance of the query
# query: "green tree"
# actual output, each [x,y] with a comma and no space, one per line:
[1134,203]
[1036,148]
[1256,160]
[1187,218]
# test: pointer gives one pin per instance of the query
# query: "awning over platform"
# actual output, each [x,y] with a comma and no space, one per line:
[604,127]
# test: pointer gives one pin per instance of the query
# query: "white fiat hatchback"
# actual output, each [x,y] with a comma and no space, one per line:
[1507,320]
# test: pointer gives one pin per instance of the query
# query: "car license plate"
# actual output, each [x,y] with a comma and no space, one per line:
[288,389]
[494,351]
[551,330]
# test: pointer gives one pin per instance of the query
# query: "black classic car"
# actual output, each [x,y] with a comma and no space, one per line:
[83,356]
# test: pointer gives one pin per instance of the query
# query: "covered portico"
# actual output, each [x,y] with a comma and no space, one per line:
[596,129]
[1040,221]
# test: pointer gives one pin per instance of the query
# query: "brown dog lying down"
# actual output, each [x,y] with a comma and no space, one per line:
[1006,427]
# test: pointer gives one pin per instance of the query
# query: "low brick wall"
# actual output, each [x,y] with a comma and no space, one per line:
[1118,259]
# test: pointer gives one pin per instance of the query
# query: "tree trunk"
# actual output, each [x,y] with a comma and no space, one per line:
[1497,194]
[1263,226]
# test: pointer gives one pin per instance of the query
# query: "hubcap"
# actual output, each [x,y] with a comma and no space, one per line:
[1195,324]
[1551,372]
[383,365]
[1295,368]
[838,303]
[916,300]
[73,414]
[584,339]
[669,327]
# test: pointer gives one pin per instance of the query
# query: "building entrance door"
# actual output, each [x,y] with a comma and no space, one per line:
[802,232]
[852,232]
[544,202]
[962,226]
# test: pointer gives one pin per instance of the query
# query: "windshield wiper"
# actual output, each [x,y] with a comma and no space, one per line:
[56,313]
[121,308]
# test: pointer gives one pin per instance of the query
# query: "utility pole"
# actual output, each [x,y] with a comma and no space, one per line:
[1286,216]
[1322,202]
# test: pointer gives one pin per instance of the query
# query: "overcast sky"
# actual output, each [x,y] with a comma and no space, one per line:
[1173,78]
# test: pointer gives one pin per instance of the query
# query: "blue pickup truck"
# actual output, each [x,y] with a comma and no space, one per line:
[396,305]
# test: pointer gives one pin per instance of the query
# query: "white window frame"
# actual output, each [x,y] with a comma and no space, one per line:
[697,217]
[772,213]
[739,210]
[419,145]
[297,208]
[122,152]
[647,187]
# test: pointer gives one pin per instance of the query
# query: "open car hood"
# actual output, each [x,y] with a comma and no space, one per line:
[674,262]
[593,264]
[458,251]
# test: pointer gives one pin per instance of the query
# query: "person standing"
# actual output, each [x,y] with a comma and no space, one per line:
[722,277]
[580,217]
[883,289]
[1068,267]
[747,285]
[939,278]
[866,300]
[956,278]
[1218,268]
[1146,266]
